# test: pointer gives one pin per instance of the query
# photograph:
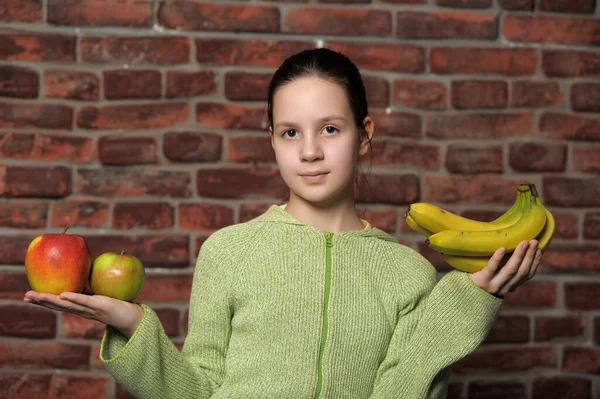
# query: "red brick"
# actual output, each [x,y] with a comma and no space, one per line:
[205,217]
[591,225]
[190,83]
[585,97]
[132,116]
[18,82]
[79,213]
[377,90]
[58,385]
[192,146]
[389,189]
[569,126]
[37,47]
[337,21]
[44,355]
[536,94]
[34,181]
[597,330]
[447,25]
[479,94]
[479,126]
[125,150]
[169,318]
[28,214]
[420,94]
[581,360]
[571,191]
[483,60]
[149,215]
[390,152]
[496,390]
[21,10]
[71,84]
[582,296]
[167,288]
[122,393]
[563,63]
[397,57]
[509,329]
[13,285]
[479,187]
[74,326]
[240,183]
[399,1]
[249,211]
[27,321]
[549,328]
[250,149]
[231,116]
[507,358]
[561,387]
[240,52]
[485,215]
[465,3]
[135,50]
[566,6]
[537,157]
[46,147]
[550,29]
[572,258]
[135,182]
[397,124]
[198,244]
[585,158]
[567,225]
[524,5]
[132,13]
[247,86]
[45,116]
[168,251]
[384,219]
[128,84]
[465,158]
[189,15]
[95,361]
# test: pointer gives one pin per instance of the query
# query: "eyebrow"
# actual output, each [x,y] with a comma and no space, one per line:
[321,120]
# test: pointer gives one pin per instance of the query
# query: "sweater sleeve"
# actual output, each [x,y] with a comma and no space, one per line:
[445,322]
[149,365]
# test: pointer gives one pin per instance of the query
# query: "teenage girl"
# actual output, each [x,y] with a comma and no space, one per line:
[308,300]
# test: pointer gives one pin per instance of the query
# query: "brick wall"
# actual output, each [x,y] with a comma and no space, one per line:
[142,125]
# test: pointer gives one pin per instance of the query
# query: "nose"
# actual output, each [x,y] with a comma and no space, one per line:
[311,149]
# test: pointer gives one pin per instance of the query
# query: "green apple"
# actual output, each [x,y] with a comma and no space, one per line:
[118,276]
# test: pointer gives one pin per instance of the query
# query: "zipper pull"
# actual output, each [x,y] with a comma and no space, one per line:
[328,239]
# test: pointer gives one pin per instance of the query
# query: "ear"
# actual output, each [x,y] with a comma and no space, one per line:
[369,125]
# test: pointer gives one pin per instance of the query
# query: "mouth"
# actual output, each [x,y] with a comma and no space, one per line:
[315,177]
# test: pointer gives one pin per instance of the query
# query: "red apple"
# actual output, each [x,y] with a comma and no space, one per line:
[57,263]
[117,276]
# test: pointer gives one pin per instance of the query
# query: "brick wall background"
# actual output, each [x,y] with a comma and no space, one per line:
[141,124]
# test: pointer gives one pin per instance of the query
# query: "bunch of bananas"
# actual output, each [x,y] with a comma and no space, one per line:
[468,244]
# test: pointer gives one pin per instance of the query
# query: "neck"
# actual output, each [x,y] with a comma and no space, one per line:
[334,218]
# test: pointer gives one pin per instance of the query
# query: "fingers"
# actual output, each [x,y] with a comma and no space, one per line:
[520,265]
[495,261]
[66,302]
[536,263]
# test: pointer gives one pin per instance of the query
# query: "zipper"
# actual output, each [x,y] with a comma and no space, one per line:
[328,245]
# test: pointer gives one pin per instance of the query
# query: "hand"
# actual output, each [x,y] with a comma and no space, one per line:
[124,316]
[520,267]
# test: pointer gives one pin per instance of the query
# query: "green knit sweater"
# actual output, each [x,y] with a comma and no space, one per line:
[280,309]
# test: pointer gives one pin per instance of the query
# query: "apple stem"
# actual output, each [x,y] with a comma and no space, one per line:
[65,230]
[122,252]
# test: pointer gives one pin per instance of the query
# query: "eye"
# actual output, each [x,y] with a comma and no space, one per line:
[331,129]
[288,131]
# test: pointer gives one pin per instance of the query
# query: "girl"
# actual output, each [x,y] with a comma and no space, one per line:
[308,300]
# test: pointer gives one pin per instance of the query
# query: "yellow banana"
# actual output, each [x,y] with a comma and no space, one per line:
[485,243]
[521,190]
[545,237]
[415,226]
[471,264]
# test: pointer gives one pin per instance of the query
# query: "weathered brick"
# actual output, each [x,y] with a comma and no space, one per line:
[21,10]
[397,57]
[169,318]
[167,288]
[231,116]
[384,219]
[569,126]
[479,126]
[389,152]
[239,52]
[582,296]
[479,94]
[447,25]
[571,191]
[28,214]
[514,5]
[190,83]
[71,84]
[397,123]
[122,182]
[585,158]
[377,90]
[198,244]
[45,116]
[561,387]
[79,213]
[13,285]
[564,63]
[250,149]
[132,13]
[509,329]
[591,225]
[128,84]
[46,147]
[23,384]
[464,3]
[249,211]
[478,187]
[420,94]
[572,258]
[192,146]
[74,326]
[122,393]
[148,215]
[496,390]
[536,94]
[240,183]
[27,322]
[541,28]
[568,6]
[399,1]
[132,116]
[37,181]
[465,158]
[483,60]
[549,328]
[485,215]
[337,21]
[597,330]
[507,358]
[389,189]
[125,150]
[247,86]
[537,157]
[44,355]
[585,97]
[18,82]
[135,50]
[567,225]
[581,359]
[37,47]
[205,217]
[190,15]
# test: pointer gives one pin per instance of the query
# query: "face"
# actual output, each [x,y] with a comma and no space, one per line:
[316,140]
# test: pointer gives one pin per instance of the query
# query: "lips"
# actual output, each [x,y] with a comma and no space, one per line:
[314,173]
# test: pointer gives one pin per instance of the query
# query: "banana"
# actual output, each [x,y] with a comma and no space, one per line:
[545,237]
[471,264]
[415,226]
[485,243]
[521,189]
